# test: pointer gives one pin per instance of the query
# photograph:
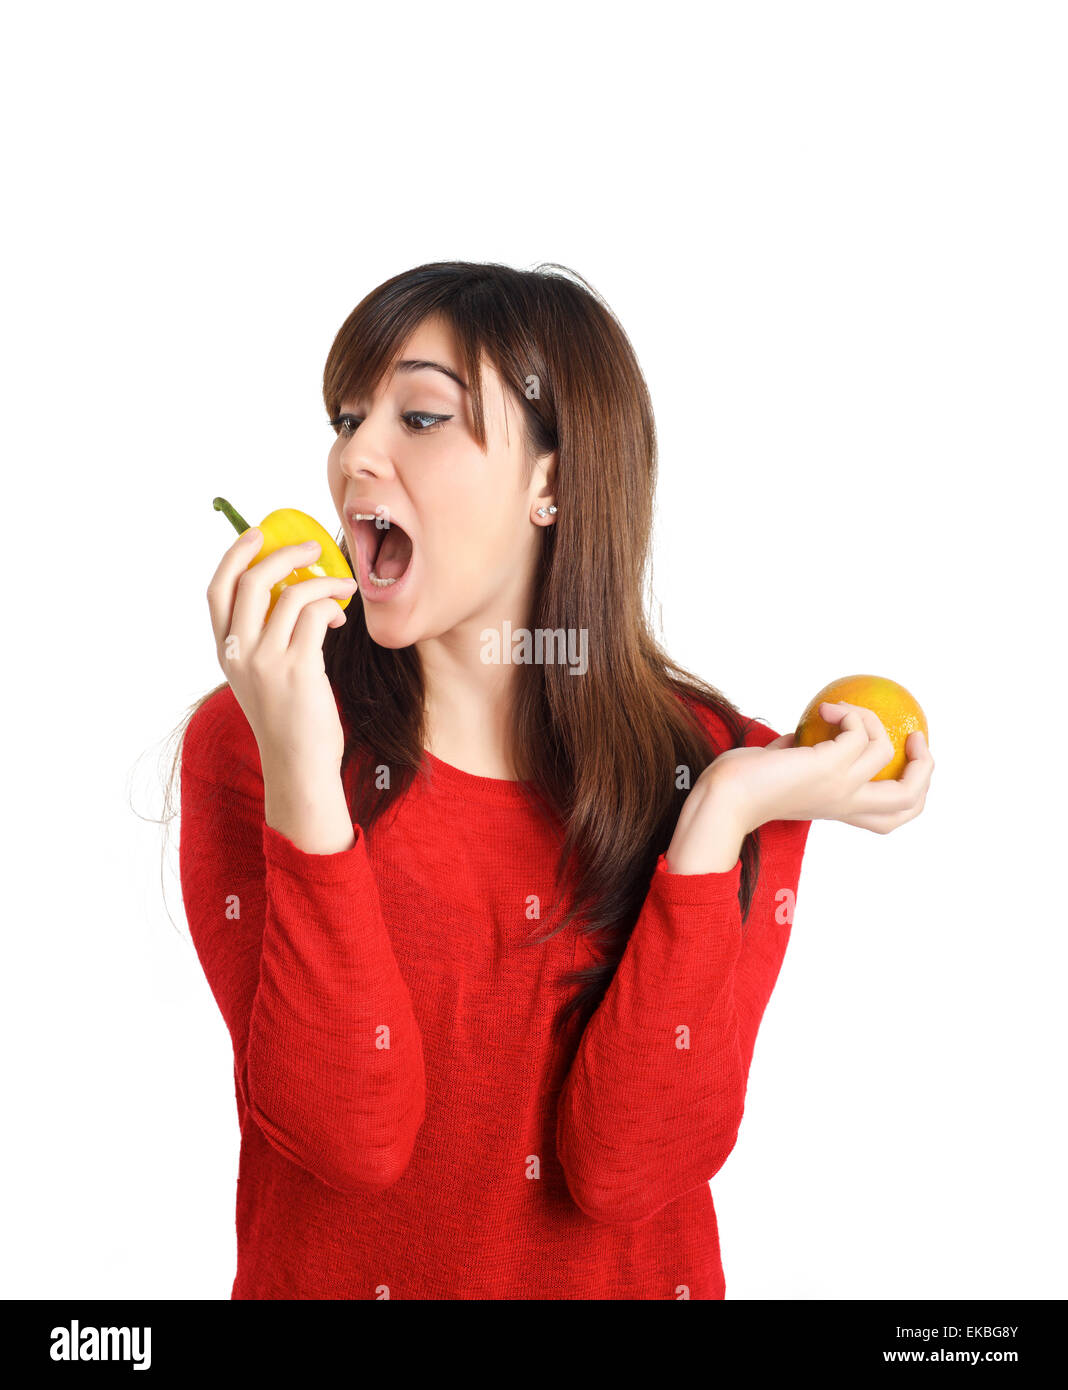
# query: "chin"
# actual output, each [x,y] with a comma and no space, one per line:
[388,635]
[390,628]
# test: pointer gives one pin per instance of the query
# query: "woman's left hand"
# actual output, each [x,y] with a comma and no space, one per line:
[827,781]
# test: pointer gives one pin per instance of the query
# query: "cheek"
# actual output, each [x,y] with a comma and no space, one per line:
[472,531]
[333,474]
[459,562]
[471,554]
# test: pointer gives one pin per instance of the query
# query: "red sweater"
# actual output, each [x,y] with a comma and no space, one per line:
[409,1127]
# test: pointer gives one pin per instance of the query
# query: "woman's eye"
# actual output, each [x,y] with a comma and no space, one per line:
[422,415]
[346,425]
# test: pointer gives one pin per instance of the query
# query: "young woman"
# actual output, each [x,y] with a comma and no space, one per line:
[490,893]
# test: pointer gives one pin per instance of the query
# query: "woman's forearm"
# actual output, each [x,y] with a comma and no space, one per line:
[309,808]
[709,834]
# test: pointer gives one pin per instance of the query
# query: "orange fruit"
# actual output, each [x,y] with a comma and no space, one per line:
[899,712]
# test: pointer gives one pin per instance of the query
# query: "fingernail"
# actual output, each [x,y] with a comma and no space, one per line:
[253,534]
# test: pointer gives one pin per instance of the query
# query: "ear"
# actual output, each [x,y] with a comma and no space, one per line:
[550,461]
[543,480]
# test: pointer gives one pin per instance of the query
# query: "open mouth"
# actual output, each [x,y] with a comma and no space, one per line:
[386,551]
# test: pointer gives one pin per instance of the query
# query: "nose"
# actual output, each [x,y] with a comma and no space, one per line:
[359,458]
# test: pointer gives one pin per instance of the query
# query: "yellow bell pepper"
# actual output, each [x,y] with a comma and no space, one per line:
[290,527]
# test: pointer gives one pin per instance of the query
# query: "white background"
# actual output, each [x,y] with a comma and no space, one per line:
[835,234]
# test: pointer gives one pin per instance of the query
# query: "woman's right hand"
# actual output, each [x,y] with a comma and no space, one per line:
[276,669]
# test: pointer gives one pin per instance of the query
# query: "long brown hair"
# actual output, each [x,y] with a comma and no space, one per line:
[602,751]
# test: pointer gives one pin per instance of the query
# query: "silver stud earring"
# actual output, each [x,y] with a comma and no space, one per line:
[543,512]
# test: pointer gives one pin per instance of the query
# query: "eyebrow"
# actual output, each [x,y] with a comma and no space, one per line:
[419,364]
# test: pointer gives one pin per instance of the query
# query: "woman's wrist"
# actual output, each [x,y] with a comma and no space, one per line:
[710,831]
[308,808]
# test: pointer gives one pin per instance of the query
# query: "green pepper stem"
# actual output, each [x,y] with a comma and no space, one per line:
[238,521]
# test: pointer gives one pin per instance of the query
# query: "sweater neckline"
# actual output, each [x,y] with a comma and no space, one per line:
[495,791]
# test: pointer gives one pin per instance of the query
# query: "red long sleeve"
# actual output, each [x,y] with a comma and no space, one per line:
[654,1098]
[298,957]
[482,1154]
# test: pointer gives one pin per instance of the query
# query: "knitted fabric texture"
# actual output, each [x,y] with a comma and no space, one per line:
[410,1127]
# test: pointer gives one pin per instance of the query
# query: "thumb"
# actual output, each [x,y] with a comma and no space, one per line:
[783,741]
